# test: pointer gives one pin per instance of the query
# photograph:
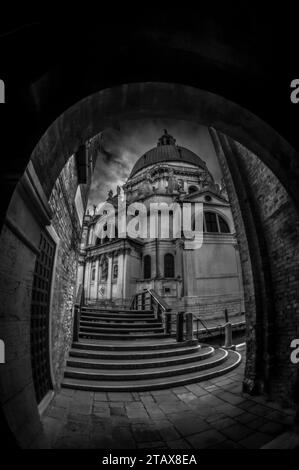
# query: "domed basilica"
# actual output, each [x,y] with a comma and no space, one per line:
[205,280]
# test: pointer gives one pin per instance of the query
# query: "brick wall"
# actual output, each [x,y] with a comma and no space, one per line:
[66,225]
[267,230]
[279,222]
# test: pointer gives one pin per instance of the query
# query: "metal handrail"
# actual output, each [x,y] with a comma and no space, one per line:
[197,317]
[79,302]
[160,301]
[161,309]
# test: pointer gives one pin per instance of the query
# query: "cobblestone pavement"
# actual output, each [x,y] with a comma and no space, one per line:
[212,414]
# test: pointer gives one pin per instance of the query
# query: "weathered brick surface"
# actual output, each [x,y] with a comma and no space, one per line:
[66,224]
[280,224]
[266,223]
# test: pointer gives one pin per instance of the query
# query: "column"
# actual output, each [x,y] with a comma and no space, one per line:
[109,277]
[87,280]
[120,279]
[97,278]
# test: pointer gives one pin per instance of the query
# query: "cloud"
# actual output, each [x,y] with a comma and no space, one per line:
[121,148]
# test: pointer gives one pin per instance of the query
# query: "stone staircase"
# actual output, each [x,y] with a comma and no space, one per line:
[127,350]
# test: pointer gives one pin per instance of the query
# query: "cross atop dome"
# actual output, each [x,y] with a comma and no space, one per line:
[166,139]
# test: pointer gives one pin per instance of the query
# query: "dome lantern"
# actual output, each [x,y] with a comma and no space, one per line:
[166,139]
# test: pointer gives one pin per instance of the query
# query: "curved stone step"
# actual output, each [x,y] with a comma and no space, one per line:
[101,374]
[113,337]
[117,326]
[143,345]
[140,363]
[233,360]
[127,355]
[121,329]
[116,311]
[116,319]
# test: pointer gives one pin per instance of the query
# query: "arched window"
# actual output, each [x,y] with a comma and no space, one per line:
[215,223]
[147,267]
[211,222]
[115,271]
[104,269]
[168,265]
[224,228]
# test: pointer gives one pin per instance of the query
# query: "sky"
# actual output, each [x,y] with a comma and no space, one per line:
[123,146]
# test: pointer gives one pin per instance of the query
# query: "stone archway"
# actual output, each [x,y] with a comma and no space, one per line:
[139,100]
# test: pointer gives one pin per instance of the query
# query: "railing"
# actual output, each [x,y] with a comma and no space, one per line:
[150,300]
[77,312]
[206,329]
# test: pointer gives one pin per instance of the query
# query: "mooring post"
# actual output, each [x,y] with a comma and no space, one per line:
[226,315]
[180,327]
[228,330]
[189,326]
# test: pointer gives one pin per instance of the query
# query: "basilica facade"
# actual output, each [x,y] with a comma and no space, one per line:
[205,280]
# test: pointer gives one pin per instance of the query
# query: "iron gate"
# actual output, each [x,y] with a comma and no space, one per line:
[40,304]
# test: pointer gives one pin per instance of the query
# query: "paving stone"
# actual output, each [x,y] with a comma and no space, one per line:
[211,400]
[229,410]
[52,428]
[245,418]
[100,396]
[236,432]
[247,404]
[67,392]
[123,437]
[145,433]
[152,445]
[214,417]
[201,408]
[205,439]
[168,433]
[178,390]
[101,409]
[81,408]
[79,441]
[231,398]
[197,390]
[225,445]
[61,401]
[187,397]
[55,412]
[154,411]
[256,423]
[136,410]
[79,417]
[260,410]
[187,427]
[280,418]
[273,428]
[117,410]
[119,396]
[256,440]
[170,407]
[223,423]
[179,444]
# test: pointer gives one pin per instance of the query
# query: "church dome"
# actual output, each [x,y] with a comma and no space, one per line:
[167,151]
